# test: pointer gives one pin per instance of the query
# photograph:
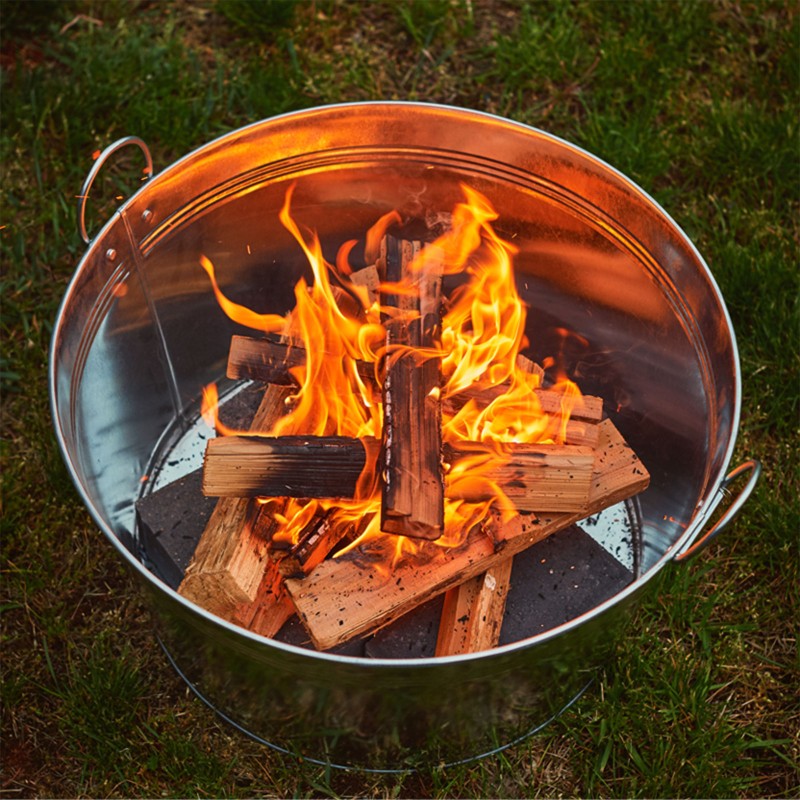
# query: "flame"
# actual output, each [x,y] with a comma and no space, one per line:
[376,233]
[269,323]
[209,410]
[482,333]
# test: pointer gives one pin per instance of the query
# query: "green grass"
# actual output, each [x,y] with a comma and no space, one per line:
[696,101]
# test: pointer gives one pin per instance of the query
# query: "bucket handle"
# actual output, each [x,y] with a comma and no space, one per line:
[83,197]
[754,468]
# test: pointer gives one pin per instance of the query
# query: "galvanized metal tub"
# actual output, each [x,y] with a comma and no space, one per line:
[139,333]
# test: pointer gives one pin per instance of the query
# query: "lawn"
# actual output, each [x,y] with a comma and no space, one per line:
[695,101]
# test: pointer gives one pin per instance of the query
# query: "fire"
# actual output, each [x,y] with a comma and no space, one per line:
[482,335]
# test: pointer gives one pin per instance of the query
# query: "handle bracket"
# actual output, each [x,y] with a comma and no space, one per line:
[754,468]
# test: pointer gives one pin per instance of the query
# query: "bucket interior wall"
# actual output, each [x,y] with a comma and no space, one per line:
[140,336]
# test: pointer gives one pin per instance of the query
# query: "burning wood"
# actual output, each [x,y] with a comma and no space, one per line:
[314,543]
[271,608]
[370,280]
[317,541]
[286,466]
[270,361]
[413,490]
[410,416]
[345,597]
[226,575]
[586,408]
[535,477]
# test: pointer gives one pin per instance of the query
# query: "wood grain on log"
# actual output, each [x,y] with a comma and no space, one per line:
[472,615]
[230,563]
[412,502]
[345,597]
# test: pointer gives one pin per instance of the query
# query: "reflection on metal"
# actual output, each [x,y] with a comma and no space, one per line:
[754,468]
[137,337]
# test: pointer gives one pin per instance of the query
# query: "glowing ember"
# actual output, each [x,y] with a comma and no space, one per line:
[340,328]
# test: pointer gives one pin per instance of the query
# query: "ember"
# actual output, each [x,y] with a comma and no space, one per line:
[403,431]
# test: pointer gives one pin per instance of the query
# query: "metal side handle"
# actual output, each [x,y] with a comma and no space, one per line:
[83,197]
[754,468]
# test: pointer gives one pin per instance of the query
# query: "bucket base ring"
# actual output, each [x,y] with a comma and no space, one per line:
[256,738]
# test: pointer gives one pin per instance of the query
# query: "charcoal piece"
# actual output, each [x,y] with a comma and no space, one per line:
[170,522]
[239,410]
[411,636]
[294,633]
[552,582]
[559,579]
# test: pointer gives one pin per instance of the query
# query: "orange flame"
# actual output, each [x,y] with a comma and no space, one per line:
[269,323]
[209,410]
[482,334]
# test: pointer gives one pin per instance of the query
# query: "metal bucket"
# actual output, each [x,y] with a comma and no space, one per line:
[139,333]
